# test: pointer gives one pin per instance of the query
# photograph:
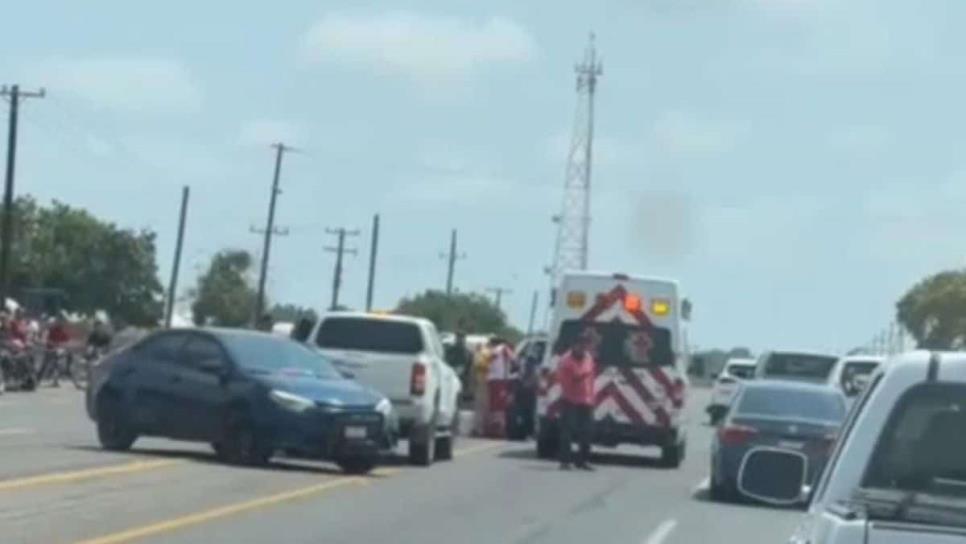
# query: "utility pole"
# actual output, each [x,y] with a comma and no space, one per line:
[6,236]
[498,293]
[451,257]
[373,251]
[269,231]
[173,286]
[533,311]
[339,250]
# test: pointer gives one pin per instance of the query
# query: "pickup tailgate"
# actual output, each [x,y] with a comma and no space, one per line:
[881,532]
[389,374]
[379,351]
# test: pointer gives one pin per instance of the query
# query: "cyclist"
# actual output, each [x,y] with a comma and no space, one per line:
[56,340]
[100,337]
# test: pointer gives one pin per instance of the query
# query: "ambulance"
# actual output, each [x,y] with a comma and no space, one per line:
[639,337]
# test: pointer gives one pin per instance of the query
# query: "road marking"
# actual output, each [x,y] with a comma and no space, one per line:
[154,529]
[86,474]
[663,531]
[703,485]
[478,449]
[15,431]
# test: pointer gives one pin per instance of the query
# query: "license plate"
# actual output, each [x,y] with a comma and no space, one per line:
[355,432]
[791,444]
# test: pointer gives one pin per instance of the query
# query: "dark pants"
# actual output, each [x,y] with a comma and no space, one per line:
[576,424]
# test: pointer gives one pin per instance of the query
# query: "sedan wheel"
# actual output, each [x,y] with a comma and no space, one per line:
[242,445]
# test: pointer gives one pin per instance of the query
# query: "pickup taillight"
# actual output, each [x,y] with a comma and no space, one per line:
[417,380]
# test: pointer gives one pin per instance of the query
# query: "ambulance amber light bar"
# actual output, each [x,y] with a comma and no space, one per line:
[576,299]
[660,306]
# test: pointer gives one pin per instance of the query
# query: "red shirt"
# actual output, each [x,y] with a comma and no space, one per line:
[58,335]
[576,378]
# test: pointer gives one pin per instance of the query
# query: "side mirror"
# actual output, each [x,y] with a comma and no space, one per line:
[347,375]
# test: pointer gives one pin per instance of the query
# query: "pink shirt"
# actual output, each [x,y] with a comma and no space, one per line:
[576,378]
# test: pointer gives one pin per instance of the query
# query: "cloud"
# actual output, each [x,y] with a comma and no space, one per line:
[425,48]
[261,132]
[684,133]
[124,84]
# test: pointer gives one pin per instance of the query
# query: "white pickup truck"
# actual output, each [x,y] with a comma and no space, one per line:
[402,357]
[898,473]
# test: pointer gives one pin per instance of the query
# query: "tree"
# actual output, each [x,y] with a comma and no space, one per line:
[97,265]
[225,296]
[934,311]
[470,311]
[292,313]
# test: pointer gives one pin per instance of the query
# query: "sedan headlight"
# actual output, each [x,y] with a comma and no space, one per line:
[290,402]
[384,407]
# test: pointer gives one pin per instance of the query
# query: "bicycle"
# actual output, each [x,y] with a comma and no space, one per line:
[80,369]
[16,371]
[57,363]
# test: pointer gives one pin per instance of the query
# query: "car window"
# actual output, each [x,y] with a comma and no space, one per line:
[742,371]
[200,348]
[270,354]
[620,344]
[379,335]
[163,347]
[791,403]
[799,366]
[923,446]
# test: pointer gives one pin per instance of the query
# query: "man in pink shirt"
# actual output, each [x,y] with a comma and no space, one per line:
[576,373]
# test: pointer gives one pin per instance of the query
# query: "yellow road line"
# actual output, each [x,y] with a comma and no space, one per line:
[478,449]
[220,512]
[86,474]
[154,529]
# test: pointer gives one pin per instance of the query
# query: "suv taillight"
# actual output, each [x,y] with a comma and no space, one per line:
[417,381]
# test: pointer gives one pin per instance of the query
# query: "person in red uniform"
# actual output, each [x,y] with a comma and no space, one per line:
[576,373]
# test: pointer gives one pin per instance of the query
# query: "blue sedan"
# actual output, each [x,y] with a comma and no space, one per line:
[775,441]
[248,394]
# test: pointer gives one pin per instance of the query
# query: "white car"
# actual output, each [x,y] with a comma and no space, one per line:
[403,358]
[898,472]
[852,373]
[726,385]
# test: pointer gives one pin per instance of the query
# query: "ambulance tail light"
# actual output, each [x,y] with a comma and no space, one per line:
[417,380]
[736,435]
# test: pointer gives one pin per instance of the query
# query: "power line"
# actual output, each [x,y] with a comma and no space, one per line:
[16,95]
[270,230]
[339,249]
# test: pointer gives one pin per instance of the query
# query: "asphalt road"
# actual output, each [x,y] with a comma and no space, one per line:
[57,486]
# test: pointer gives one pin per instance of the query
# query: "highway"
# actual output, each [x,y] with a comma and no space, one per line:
[57,486]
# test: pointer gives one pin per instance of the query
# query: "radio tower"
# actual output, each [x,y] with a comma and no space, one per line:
[573,221]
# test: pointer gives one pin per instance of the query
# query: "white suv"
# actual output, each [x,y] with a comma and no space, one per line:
[402,357]
[898,473]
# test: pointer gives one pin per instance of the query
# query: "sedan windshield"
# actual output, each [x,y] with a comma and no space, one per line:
[266,353]
[799,366]
[791,404]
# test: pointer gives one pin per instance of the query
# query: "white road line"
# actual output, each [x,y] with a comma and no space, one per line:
[663,531]
[703,485]
[13,431]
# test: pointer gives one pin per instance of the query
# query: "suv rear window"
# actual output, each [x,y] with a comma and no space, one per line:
[379,335]
[799,366]
[620,344]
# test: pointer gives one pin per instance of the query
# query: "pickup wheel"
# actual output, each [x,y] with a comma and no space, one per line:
[422,449]
[445,444]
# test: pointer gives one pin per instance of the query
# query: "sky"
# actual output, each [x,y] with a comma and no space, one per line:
[796,164]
